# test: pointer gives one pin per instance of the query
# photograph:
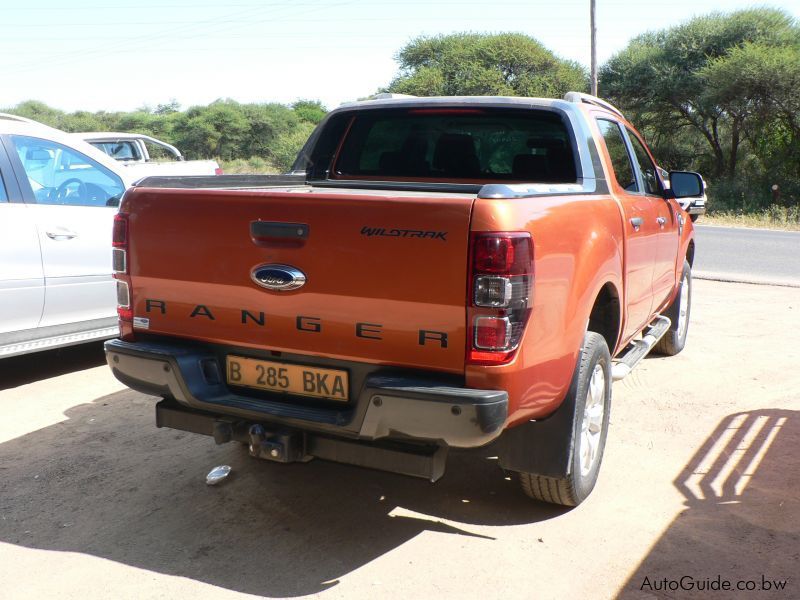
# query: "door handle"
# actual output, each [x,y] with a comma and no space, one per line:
[637,223]
[661,222]
[61,233]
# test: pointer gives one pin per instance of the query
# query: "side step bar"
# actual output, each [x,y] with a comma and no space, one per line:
[624,364]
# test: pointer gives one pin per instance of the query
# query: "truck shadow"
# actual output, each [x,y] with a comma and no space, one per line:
[27,368]
[107,483]
[742,516]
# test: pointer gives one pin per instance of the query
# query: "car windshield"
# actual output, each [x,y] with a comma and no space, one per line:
[457,144]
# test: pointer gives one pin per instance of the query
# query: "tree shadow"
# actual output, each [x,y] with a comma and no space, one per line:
[742,516]
[108,483]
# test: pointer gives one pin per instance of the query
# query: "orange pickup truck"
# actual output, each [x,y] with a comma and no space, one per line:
[443,273]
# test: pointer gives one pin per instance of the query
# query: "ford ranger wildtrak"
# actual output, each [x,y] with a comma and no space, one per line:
[446,273]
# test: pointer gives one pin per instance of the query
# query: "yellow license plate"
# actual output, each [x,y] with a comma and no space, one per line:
[292,379]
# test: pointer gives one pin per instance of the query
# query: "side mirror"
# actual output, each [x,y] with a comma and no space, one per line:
[685,184]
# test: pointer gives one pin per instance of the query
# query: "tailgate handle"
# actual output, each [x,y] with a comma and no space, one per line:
[271,230]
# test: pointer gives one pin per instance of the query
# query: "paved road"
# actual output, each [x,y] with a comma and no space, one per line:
[699,479]
[752,255]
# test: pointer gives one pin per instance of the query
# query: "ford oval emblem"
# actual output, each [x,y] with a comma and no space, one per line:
[281,278]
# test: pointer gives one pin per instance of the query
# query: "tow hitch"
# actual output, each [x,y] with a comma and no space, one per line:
[277,446]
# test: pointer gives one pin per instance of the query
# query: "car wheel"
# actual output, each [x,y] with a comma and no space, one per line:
[678,312]
[592,401]
[694,217]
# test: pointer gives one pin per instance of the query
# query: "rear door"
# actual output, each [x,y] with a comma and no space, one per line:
[385,275]
[666,216]
[21,273]
[640,225]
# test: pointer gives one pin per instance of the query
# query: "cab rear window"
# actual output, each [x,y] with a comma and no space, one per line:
[457,144]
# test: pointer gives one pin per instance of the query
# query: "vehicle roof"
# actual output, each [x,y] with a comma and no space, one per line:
[571,102]
[397,100]
[109,135]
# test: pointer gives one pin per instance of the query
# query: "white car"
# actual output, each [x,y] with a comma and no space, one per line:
[138,152]
[58,198]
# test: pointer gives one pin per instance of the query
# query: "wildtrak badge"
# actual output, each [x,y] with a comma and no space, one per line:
[403,233]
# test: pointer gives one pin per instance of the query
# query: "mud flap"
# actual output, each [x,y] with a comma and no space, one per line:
[543,447]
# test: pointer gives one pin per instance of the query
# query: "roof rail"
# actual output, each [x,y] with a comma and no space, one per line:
[390,96]
[578,98]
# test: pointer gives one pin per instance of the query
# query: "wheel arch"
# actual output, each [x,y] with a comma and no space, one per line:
[605,317]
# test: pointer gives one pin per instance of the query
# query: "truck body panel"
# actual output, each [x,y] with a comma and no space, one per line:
[373,291]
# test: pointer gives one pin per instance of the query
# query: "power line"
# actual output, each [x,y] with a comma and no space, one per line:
[69,57]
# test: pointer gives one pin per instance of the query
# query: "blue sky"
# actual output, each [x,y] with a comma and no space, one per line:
[107,55]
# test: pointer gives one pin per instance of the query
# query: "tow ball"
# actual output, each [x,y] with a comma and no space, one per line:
[281,446]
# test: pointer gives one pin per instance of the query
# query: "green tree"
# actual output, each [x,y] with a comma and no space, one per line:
[167,108]
[216,130]
[38,111]
[699,85]
[473,64]
[761,83]
[310,111]
[269,134]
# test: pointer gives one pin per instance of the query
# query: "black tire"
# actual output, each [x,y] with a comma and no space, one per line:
[675,338]
[694,217]
[578,484]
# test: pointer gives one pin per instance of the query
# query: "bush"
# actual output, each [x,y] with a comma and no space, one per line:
[255,137]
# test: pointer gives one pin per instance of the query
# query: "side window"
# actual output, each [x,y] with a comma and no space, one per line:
[122,150]
[60,175]
[618,151]
[3,193]
[648,169]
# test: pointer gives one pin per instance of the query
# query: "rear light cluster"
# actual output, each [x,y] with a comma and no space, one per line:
[119,253]
[501,286]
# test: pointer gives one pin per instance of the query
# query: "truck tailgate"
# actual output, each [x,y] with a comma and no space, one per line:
[385,274]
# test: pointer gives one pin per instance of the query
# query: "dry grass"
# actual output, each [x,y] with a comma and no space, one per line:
[774,217]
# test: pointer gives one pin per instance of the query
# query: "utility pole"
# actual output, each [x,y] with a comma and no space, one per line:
[594,46]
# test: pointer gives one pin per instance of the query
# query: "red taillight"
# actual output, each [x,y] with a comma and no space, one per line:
[503,254]
[501,285]
[218,171]
[119,236]
[119,241]
[492,333]
[119,256]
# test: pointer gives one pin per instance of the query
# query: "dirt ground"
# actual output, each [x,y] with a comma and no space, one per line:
[701,479]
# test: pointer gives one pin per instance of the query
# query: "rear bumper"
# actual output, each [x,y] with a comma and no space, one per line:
[386,405]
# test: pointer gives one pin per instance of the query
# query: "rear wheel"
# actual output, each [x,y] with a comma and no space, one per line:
[592,401]
[678,312]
